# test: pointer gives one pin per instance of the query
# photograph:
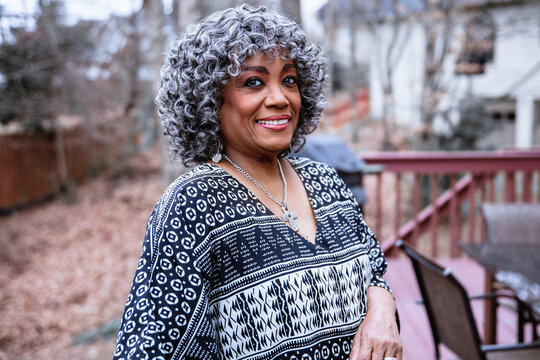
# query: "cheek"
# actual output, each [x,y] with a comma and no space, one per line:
[297,103]
[247,107]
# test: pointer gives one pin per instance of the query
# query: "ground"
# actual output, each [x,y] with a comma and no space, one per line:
[66,268]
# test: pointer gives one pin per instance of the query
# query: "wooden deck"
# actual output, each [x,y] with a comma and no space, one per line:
[415,331]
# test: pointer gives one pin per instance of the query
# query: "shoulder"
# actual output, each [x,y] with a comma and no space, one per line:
[321,177]
[316,171]
[196,183]
[186,198]
[312,166]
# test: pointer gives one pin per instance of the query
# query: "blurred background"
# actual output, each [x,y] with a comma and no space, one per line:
[82,160]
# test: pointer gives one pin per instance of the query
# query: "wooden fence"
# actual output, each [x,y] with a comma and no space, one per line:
[474,177]
[29,167]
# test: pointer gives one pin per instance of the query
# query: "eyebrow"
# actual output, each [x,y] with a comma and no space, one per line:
[264,70]
[287,67]
[260,69]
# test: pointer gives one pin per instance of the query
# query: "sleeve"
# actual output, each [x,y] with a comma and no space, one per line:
[378,262]
[166,315]
[376,255]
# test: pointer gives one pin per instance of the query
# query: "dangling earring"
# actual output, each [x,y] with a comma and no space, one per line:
[217,156]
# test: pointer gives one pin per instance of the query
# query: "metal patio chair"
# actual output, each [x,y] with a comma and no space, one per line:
[451,318]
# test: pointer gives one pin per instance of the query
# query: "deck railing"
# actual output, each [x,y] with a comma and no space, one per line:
[471,178]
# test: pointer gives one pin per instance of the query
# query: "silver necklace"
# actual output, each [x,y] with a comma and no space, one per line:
[288,216]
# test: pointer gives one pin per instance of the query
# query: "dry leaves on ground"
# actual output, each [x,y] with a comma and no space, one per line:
[68,268]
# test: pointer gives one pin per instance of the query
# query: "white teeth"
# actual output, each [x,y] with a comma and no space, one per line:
[273,122]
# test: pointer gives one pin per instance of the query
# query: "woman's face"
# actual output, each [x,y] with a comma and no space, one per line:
[260,107]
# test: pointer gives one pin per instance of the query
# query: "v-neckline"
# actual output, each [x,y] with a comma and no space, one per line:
[309,195]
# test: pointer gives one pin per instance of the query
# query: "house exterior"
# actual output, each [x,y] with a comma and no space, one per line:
[507,81]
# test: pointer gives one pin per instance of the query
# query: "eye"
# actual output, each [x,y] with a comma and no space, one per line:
[253,82]
[290,80]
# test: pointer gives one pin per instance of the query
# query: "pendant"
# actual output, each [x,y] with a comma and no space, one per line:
[289,216]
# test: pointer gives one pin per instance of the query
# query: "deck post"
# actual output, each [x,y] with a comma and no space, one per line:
[435,216]
[397,206]
[510,186]
[378,215]
[527,186]
[454,221]
[472,207]
[416,206]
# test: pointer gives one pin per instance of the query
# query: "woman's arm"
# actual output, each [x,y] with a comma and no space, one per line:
[166,315]
[378,335]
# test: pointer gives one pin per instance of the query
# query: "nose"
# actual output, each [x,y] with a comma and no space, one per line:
[276,97]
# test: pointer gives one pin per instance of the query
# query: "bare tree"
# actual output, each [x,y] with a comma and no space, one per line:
[390,25]
[438,19]
[353,78]
[381,23]
[47,24]
[185,13]
[252,2]
[292,9]
[330,40]
[154,21]
[37,67]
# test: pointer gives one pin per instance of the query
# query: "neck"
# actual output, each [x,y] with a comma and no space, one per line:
[269,185]
[260,167]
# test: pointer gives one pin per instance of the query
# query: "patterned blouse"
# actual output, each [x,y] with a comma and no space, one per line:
[222,277]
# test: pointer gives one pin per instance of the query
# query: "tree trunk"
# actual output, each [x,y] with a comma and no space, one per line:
[438,24]
[388,114]
[388,55]
[185,13]
[292,9]
[354,121]
[64,184]
[133,65]
[153,15]
[252,2]
[330,40]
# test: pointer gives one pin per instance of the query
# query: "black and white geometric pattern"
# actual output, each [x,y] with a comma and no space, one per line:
[222,277]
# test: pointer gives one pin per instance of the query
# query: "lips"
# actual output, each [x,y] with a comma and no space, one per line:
[275,123]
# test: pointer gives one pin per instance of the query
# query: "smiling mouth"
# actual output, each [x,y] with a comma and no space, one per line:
[273,122]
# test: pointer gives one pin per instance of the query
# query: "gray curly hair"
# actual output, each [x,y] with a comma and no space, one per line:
[213,51]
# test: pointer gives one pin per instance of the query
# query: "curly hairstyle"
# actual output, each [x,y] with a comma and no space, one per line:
[213,51]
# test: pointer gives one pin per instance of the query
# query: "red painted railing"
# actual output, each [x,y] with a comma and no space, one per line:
[474,177]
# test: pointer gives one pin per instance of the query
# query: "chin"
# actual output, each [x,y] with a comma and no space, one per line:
[278,147]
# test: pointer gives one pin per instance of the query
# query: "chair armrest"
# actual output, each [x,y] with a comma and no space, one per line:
[494,295]
[420,301]
[493,347]
[513,347]
[515,352]
[525,308]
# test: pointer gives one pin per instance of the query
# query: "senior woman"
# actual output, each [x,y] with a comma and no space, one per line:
[251,255]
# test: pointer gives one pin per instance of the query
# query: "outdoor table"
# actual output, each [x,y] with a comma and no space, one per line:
[517,266]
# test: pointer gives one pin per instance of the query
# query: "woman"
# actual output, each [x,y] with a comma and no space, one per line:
[251,255]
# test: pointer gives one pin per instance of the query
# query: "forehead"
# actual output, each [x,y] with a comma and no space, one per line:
[263,59]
